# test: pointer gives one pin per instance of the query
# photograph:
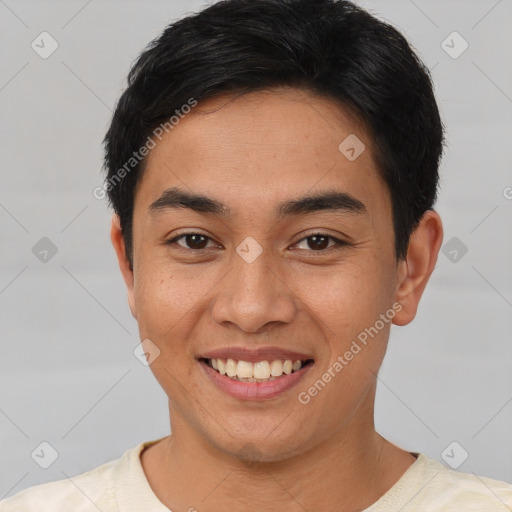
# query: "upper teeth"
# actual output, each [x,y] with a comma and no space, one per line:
[258,370]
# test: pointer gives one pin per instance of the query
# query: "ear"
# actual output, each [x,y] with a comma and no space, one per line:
[415,270]
[116,236]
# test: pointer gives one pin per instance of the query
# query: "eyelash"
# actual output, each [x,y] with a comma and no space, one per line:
[337,243]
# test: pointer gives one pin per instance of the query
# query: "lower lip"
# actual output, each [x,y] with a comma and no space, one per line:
[254,390]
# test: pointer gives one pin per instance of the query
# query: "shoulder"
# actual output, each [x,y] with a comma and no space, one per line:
[86,492]
[82,492]
[449,490]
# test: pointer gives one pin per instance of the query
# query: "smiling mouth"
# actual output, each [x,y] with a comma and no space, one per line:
[259,371]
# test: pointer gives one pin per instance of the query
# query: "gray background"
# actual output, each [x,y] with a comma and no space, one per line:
[68,375]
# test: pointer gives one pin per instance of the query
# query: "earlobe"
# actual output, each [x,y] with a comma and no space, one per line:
[415,270]
[116,236]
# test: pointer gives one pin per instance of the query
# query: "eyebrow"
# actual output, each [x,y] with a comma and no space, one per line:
[331,200]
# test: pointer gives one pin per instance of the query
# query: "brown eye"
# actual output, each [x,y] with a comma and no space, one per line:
[319,242]
[194,241]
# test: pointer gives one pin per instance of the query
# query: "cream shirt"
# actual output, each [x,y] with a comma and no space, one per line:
[121,486]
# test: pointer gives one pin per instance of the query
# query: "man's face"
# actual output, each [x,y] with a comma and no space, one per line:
[255,276]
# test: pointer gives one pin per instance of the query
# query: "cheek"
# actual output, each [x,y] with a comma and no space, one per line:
[164,317]
[350,296]
[350,304]
[163,297]
[172,304]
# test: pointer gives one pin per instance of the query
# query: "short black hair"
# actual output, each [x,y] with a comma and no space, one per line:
[332,48]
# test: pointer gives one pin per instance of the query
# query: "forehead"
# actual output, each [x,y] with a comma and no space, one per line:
[261,148]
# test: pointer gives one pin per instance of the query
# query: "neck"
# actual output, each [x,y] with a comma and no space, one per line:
[349,471]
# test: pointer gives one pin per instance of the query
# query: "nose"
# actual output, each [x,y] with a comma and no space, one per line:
[253,296]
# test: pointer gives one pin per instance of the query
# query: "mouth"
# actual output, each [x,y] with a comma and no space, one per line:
[259,371]
[255,375]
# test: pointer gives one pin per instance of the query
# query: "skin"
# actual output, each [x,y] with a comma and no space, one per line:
[253,152]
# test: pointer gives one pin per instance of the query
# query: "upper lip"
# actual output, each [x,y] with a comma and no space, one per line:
[253,355]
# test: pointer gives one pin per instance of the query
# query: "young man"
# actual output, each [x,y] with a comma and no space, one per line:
[273,167]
